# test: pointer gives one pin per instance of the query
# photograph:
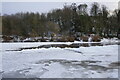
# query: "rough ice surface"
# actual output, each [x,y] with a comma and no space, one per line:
[82,62]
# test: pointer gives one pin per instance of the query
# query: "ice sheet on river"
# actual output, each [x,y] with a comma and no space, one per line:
[83,62]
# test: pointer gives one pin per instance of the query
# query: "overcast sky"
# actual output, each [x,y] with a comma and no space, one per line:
[43,7]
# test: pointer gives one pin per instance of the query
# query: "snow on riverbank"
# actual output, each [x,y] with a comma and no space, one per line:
[83,62]
[110,41]
[16,45]
[13,46]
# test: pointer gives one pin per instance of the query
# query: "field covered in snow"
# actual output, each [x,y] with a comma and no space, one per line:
[27,60]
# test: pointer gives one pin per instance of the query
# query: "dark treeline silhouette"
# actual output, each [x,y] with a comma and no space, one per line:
[72,20]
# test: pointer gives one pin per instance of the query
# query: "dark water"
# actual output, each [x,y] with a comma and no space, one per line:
[73,45]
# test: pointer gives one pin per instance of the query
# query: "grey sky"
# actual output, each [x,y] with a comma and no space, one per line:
[42,7]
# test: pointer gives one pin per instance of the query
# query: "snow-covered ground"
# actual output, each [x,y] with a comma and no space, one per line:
[0,60]
[82,62]
[110,41]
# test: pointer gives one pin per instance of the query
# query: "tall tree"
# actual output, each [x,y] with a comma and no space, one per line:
[82,9]
[95,9]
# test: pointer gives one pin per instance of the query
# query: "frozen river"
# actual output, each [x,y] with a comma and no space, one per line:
[50,60]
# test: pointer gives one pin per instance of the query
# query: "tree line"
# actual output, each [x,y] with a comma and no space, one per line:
[71,20]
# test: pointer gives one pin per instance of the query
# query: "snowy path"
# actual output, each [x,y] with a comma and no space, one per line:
[83,62]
